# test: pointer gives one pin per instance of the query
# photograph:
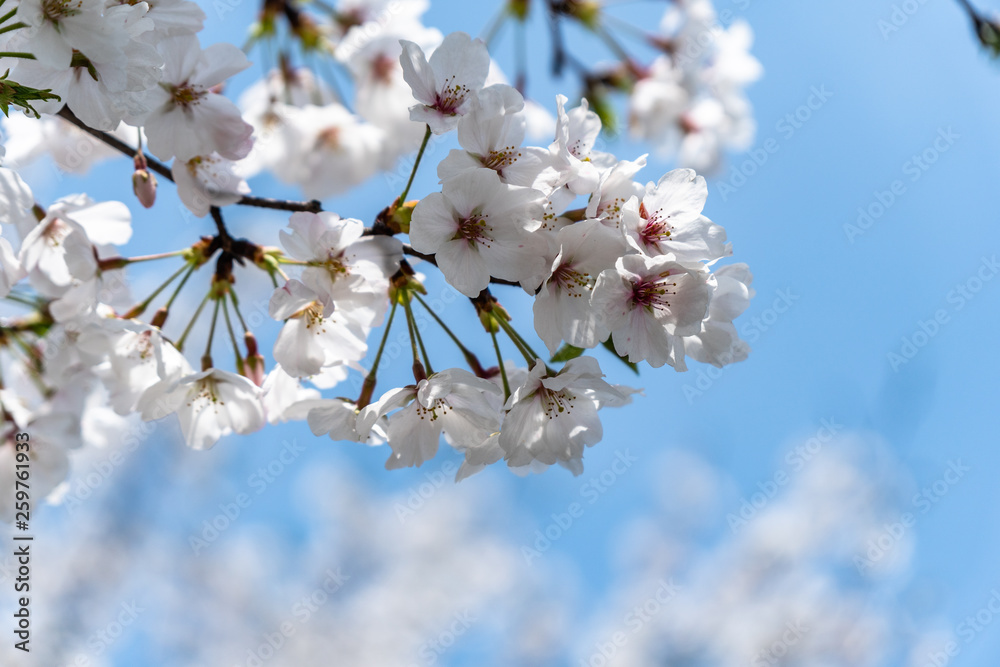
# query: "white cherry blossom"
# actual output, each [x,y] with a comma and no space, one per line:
[562,309]
[477,227]
[454,401]
[209,405]
[187,119]
[648,303]
[446,84]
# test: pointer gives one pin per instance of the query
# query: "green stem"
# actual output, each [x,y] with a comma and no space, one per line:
[517,340]
[194,318]
[206,359]
[442,325]
[177,291]
[369,384]
[148,300]
[503,371]
[232,335]
[17,54]
[420,154]
[470,358]
[236,307]
[22,300]
[147,258]
[494,27]
[420,340]
[12,26]
[612,44]
[409,330]
[6,17]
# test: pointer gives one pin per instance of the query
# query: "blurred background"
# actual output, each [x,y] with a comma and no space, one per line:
[830,501]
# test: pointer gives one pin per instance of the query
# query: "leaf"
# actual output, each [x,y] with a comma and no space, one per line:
[566,352]
[610,346]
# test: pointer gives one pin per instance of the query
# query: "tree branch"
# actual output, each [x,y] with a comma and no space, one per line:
[407,250]
[313,206]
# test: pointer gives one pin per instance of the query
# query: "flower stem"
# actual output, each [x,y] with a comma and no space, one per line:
[236,307]
[180,286]
[147,258]
[232,336]
[416,333]
[515,337]
[22,300]
[503,371]
[420,154]
[141,307]
[206,359]
[14,26]
[194,318]
[470,358]
[369,384]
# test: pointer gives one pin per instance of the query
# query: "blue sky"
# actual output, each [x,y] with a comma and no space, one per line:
[834,301]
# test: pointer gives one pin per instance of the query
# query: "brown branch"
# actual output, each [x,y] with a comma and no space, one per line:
[407,250]
[312,206]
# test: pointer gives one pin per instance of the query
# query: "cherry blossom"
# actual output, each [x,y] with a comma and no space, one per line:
[209,405]
[649,302]
[187,119]
[477,226]
[446,84]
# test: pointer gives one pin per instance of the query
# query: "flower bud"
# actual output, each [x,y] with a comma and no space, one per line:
[143,182]
[253,367]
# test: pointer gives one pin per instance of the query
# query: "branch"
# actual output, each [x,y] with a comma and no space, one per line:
[313,206]
[987,31]
[407,250]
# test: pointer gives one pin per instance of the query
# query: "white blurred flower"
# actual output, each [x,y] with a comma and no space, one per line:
[209,405]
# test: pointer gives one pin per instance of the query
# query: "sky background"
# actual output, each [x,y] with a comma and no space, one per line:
[833,303]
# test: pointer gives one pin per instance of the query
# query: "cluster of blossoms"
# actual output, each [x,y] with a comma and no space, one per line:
[690,101]
[609,260]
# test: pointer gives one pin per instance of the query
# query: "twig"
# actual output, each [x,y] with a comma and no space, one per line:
[407,250]
[313,206]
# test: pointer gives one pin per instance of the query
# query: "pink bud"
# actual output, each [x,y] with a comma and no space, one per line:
[253,369]
[143,182]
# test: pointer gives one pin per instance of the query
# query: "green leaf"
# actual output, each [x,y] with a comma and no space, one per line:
[565,353]
[611,347]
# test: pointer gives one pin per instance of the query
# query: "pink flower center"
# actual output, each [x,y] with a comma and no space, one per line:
[451,97]
[571,281]
[653,294]
[656,229]
[498,160]
[186,94]
[474,230]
